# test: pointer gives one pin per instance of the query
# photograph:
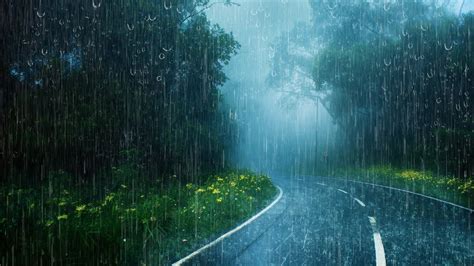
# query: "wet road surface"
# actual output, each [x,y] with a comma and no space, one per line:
[325,221]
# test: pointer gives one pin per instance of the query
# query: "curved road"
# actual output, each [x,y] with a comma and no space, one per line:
[323,221]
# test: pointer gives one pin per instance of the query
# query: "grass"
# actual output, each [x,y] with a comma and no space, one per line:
[132,221]
[451,189]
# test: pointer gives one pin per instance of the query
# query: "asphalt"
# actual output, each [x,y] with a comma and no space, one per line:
[323,221]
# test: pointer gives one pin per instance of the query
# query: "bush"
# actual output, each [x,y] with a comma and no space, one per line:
[126,224]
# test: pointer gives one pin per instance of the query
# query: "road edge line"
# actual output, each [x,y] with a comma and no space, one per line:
[396,189]
[413,193]
[231,232]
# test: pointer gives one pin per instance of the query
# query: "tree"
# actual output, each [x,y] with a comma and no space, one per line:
[396,77]
[82,82]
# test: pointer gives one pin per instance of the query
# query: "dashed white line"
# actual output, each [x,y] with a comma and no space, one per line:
[360,202]
[231,232]
[379,250]
[343,191]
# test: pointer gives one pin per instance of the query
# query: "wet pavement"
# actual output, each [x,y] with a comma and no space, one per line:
[324,221]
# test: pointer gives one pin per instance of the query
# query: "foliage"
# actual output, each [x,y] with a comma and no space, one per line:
[396,78]
[129,222]
[400,92]
[79,83]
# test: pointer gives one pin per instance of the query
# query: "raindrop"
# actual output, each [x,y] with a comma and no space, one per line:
[386,6]
[458,107]
[404,33]
[167,49]
[159,78]
[161,56]
[133,72]
[30,63]
[387,63]
[253,12]
[410,45]
[61,22]
[149,18]
[430,74]
[448,48]
[130,27]
[332,7]
[40,14]
[167,7]
[44,51]
[423,28]
[96,5]
[438,100]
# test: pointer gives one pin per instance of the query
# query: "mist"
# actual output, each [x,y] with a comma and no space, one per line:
[274,134]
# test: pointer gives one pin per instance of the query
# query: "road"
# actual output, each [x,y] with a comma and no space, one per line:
[323,221]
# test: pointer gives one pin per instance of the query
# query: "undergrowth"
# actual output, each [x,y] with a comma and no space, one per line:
[131,221]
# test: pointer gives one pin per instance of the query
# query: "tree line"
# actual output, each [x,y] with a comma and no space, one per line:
[87,85]
[396,77]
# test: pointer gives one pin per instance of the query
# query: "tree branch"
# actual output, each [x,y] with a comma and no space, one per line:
[197,12]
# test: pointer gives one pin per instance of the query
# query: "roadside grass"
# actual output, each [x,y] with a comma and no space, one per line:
[451,189]
[131,222]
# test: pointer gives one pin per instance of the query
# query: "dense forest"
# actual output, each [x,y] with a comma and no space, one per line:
[111,127]
[395,77]
[137,131]
[86,85]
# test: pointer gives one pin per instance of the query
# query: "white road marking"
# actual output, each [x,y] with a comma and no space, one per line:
[231,232]
[402,190]
[360,202]
[343,191]
[379,250]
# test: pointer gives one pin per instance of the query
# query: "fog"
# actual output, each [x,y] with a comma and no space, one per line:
[280,128]
[275,134]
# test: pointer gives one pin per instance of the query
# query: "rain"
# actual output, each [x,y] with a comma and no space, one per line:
[236,132]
